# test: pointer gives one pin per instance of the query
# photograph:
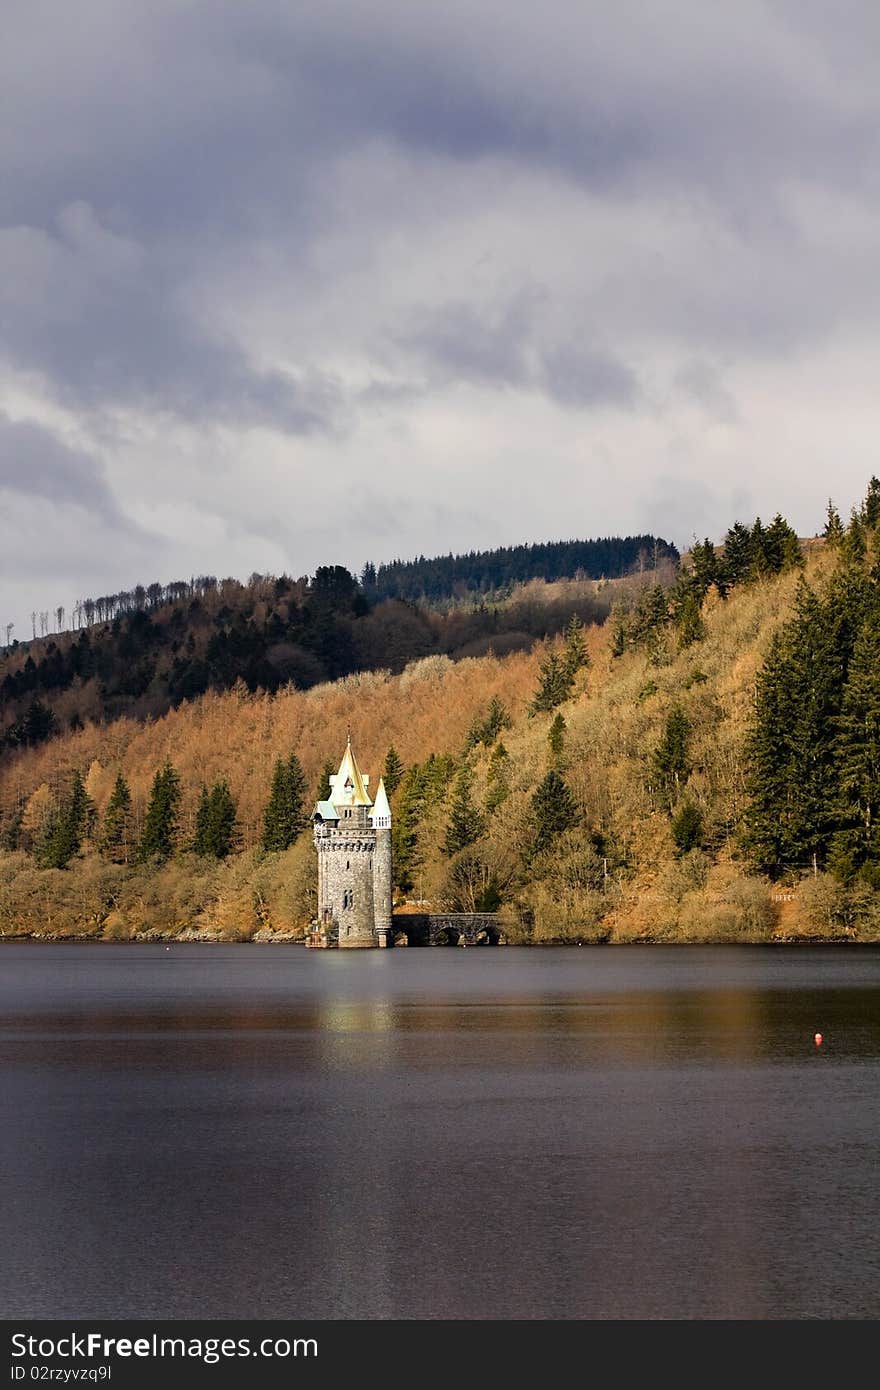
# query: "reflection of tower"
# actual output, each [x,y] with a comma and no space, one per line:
[353,840]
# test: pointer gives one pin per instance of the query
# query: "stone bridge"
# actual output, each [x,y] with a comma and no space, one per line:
[448,928]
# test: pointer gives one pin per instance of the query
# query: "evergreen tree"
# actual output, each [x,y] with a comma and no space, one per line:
[739,555]
[687,827]
[393,771]
[689,620]
[575,656]
[619,631]
[159,836]
[857,750]
[782,549]
[854,546]
[216,828]
[833,532]
[497,785]
[11,837]
[705,568]
[671,757]
[792,778]
[465,822]
[871,505]
[115,843]
[553,811]
[324,789]
[66,829]
[284,817]
[556,740]
[406,856]
[554,684]
[486,729]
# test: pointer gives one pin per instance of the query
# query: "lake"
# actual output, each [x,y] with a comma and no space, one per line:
[595,1132]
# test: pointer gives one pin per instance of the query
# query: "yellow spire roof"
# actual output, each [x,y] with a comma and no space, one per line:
[348,787]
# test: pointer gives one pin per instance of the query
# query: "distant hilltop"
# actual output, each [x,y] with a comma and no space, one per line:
[143,651]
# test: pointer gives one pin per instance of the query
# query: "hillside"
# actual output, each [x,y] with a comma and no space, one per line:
[144,651]
[605,785]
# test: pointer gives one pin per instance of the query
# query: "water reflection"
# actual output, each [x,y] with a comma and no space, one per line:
[591,1133]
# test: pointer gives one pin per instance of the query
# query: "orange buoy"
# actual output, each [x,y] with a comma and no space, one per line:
[817,1039]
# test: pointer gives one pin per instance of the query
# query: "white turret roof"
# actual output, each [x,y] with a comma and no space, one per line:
[381,812]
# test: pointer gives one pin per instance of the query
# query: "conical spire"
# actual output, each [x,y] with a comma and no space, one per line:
[348,787]
[380,816]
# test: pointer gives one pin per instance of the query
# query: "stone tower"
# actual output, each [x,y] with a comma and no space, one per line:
[353,840]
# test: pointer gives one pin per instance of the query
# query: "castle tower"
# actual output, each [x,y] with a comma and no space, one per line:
[353,840]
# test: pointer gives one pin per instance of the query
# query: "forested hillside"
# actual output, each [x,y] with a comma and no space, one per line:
[487,571]
[144,651]
[706,766]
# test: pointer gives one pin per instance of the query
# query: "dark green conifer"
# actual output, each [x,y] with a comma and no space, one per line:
[65,830]
[553,811]
[159,836]
[393,771]
[216,829]
[556,740]
[465,822]
[739,555]
[285,816]
[687,827]
[115,843]
[857,750]
[671,756]
[833,531]
[575,655]
[554,684]
[497,785]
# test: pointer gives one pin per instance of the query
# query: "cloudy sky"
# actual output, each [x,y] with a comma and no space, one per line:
[325,281]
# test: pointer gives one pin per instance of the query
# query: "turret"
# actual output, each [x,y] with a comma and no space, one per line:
[353,840]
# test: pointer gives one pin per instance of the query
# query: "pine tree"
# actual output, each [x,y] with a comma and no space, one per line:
[857,752]
[159,836]
[497,785]
[284,817]
[575,656]
[854,546]
[324,788]
[393,771]
[739,555]
[833,532]
[687,827]
[554,684]
[871,505]
[671,757]
[705,568]
[465,822]
[115,843]
[793,778]
[216,829]
[406,856]
[65,831]
[619,631]
[11,837]
[781,549]
[556,740]
[689,620]
[553,811]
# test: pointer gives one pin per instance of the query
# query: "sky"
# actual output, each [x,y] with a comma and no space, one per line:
[332,281]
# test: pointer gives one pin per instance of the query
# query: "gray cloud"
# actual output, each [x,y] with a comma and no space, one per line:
[34,463]
[254,255]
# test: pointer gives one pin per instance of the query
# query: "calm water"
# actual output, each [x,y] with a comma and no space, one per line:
[595,1133]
